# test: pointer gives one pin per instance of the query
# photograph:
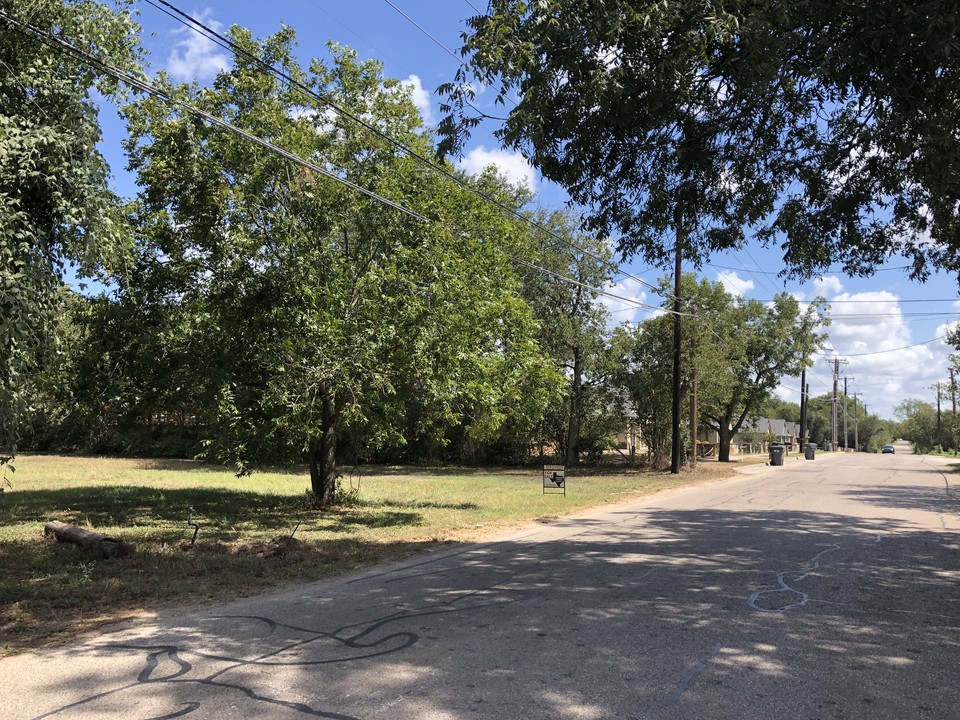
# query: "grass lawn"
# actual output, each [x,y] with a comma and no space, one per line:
[50,591]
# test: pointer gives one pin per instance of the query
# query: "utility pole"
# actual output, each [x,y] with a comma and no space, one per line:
[953,392]
[676,409]
[803,407]
[836,380]
[953,403]
[856,426]
[846,434]
[836,375]
[693,398]
[939,441]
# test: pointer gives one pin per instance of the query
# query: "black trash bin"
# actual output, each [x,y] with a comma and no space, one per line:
[776,454]
[809,451]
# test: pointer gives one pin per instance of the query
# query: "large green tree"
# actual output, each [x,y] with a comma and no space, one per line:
[761,344]
[917,423]
[311,308]
[828,126]
[55,206]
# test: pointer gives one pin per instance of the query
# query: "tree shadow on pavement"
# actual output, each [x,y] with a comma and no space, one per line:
[657,614]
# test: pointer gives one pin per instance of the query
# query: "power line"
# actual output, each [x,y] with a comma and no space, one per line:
[202,28]
[123,76]
[422,29]
[879,300]
[357,35]
[572,281]
[881,352]
[873,316]
[826,272]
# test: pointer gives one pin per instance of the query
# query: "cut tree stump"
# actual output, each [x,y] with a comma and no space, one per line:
[107,546]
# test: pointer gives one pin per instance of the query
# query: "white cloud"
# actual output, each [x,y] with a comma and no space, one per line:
[420,97]
[870,331]
[625,310]
[828,285]
[734,284]
[511,165]
[196,56]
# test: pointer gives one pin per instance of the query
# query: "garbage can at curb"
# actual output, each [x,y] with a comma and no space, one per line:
[776,454]
[809,451]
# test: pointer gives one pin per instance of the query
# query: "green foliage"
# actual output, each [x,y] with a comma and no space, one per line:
[573,333]
[828,127]
[738,350]
[55,207]
[918,423]
[645,354]
[775,407]
[303,312]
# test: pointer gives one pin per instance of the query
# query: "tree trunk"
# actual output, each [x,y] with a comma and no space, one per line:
[322,454]
[573,426]
[724,437]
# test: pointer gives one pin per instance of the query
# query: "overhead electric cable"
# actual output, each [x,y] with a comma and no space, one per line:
[131,80]
[199,26]
[573,281]
[826,272]
[126,77]
[357,35]
[422,29]
[897,349]
[881,300]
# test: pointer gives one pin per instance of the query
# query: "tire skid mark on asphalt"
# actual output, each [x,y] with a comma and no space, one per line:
[688,678]
[784,586]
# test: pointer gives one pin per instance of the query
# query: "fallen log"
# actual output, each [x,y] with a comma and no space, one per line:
[108,547]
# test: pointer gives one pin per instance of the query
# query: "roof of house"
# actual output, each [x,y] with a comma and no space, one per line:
[774,426]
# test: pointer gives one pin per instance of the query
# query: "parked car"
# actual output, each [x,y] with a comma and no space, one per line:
[888,449]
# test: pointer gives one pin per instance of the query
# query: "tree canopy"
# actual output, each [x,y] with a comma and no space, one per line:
[303,307]
[830,128]
[55,206]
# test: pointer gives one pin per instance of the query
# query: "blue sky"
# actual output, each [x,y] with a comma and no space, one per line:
[881,325]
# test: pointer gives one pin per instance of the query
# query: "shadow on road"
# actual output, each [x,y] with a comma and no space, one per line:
[700,613]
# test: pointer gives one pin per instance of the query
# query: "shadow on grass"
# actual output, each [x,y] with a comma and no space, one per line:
[344,521]
[49,591]
[426,504]
[147,507]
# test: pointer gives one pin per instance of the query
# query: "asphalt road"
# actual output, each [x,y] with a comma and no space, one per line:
[820,589]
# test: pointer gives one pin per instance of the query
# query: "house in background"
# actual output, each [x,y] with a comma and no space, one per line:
[756,435]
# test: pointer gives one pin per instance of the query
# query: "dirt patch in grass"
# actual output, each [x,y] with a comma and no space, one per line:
[51,591]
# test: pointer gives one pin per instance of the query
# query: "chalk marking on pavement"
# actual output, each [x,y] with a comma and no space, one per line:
[813,565]
[688,678]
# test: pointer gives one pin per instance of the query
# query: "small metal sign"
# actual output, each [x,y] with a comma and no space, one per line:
[554,479]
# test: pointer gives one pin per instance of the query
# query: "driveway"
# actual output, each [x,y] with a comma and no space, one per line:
[820,589]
